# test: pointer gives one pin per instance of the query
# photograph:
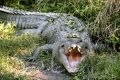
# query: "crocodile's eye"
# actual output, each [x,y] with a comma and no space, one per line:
[86,47]
[80,40]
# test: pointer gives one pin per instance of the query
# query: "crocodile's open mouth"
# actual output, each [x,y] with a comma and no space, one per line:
[74,56]
[74,53]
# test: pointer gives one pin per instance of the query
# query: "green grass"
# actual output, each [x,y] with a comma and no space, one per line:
[102,19]
[12,48]
[100,67]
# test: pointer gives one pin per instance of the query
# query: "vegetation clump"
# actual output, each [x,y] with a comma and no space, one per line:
[102,18]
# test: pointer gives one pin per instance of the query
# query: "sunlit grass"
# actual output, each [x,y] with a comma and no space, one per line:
[12,48]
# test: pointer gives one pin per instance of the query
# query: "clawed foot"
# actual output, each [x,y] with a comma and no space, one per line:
[31,59]
[55,71]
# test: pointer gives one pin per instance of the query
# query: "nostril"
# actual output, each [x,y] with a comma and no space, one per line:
[62,45]
[86,47]
[80,41]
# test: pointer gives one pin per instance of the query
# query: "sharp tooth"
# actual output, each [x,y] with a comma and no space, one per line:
[78,46]
[70,50]
[79,50]
[74,46]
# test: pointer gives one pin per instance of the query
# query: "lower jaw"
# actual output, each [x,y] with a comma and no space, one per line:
[75,69]
[72,70]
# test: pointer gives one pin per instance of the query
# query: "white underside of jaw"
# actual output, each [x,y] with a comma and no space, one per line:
[74,66]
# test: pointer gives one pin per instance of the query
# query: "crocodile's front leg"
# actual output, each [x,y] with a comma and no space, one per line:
[39,49]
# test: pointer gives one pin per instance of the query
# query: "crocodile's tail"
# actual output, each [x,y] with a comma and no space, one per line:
[24,19]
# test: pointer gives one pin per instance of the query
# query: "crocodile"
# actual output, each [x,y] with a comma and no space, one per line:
[67,36]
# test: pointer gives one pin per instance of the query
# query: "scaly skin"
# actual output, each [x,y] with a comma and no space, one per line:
[67,36]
